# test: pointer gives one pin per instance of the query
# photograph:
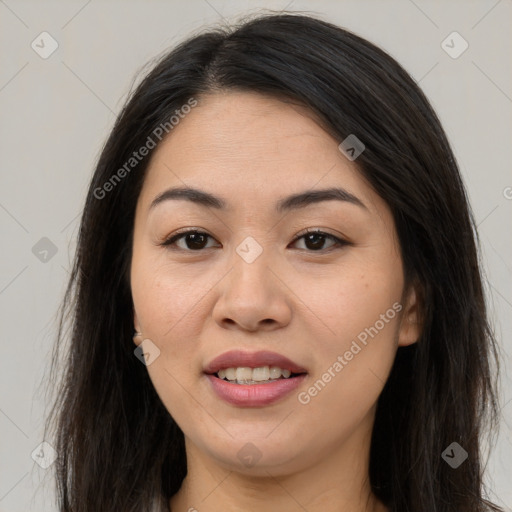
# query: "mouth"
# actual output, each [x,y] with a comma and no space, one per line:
[260,375]
[253,367]
[253,379]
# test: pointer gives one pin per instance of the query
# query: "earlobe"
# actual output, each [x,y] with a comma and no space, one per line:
[137,335]
[137,338]
[411,323]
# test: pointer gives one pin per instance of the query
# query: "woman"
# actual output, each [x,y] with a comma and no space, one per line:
[276,301]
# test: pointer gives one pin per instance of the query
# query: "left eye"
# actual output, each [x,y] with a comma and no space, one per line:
[195,240]
[316,240]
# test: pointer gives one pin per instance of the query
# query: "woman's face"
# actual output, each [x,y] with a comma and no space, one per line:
[334,305]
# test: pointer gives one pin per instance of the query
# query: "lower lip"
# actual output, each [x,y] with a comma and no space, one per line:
[254,395]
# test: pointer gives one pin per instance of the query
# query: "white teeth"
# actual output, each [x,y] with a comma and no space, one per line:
[275,372]
[261,374]
[246,375]
[230,373]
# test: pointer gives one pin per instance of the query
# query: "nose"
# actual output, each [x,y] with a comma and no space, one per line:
[253,296]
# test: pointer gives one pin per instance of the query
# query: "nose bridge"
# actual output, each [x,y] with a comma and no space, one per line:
[251,262]
[251,294]
[250,250]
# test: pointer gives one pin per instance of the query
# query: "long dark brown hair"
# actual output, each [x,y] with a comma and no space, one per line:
[119,449]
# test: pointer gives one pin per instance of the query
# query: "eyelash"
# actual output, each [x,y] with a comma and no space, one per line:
[169,242]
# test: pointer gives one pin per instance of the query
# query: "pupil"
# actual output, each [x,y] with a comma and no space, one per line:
[311,237]
[195,240]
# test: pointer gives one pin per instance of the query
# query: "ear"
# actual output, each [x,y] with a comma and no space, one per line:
[411,321]
[136,339]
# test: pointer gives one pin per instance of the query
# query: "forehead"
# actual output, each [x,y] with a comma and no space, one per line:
[243,145]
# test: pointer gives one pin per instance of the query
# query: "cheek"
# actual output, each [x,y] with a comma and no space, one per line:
[354,299]
[167,297]
[172,306]
[168,309]
[360,311]
[351,367]
[160,301]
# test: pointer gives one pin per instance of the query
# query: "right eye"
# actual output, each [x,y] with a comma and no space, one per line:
[194,240]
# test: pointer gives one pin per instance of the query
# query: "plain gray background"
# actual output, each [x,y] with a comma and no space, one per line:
[57,112]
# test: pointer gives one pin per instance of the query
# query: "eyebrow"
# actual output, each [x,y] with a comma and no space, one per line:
[293,202]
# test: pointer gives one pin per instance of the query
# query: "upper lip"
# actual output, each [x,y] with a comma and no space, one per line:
[238,358]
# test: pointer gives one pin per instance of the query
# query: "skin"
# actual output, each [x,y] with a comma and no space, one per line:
[306,304]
